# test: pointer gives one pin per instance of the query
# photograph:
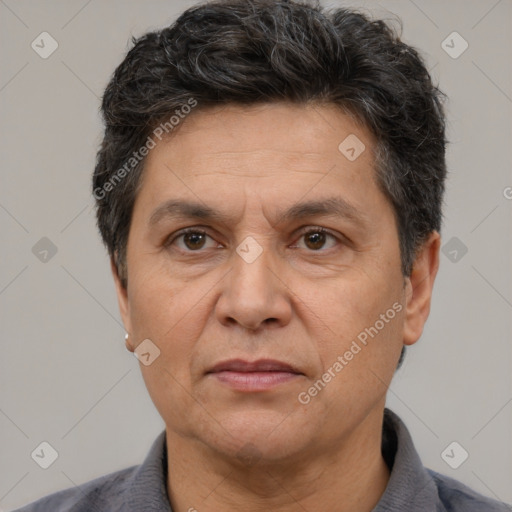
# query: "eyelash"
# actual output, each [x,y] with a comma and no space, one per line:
[199,231]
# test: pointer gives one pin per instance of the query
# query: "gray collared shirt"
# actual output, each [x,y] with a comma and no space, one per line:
[411,487]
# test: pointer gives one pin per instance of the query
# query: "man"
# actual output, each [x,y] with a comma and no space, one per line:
[269,188]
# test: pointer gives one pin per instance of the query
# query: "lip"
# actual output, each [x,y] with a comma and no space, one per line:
[261,365]
[253,376]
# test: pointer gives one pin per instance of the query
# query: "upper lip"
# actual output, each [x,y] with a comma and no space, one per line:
[261,365]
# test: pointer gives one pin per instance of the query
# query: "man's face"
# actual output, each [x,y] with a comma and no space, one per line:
[257,287]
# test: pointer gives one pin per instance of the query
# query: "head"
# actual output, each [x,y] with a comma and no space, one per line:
[254,122]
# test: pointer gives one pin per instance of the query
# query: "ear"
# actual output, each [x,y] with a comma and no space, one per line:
[419,288]
[122,300]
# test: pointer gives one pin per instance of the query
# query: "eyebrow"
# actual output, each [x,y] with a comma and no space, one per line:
[178,208]
[331,206]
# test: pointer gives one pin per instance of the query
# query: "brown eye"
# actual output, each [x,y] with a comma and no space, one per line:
[194,241]
[315,240]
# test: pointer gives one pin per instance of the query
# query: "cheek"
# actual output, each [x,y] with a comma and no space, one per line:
[168,313]
[364,321]
[172,316]
[349,304]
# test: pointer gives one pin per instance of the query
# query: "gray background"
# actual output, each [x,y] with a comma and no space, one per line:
[65,376]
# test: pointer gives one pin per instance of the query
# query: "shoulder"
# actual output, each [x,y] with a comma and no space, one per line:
[455,496]
[103,493]
[141,487]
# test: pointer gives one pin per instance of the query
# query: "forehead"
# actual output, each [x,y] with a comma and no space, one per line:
[298,134]
[277,153]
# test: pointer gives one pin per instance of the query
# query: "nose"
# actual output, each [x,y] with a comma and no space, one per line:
[254,295]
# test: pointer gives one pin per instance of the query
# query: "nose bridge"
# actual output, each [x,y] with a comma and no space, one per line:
[252,267]
[253,293]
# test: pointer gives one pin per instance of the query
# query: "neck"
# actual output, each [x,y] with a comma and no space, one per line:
[353,476]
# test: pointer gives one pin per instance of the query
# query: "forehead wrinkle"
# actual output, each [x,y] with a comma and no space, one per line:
[211,161]
[280,151]
[249,174]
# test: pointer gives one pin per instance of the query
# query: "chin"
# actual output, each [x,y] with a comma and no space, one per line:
[258,435]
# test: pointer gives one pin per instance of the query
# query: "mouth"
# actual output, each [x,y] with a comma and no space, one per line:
[260,375]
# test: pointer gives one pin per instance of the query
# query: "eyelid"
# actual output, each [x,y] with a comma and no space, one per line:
[315,229]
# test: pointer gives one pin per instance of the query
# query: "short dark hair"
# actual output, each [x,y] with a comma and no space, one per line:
[260,51]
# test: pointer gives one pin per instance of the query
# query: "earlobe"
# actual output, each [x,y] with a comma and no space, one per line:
[127,343]
[122,297]
[419,287]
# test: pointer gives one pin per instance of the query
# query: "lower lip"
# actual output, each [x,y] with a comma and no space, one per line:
[254,381]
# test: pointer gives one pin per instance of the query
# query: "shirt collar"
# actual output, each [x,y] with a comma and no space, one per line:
[148,489]
[410,487]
